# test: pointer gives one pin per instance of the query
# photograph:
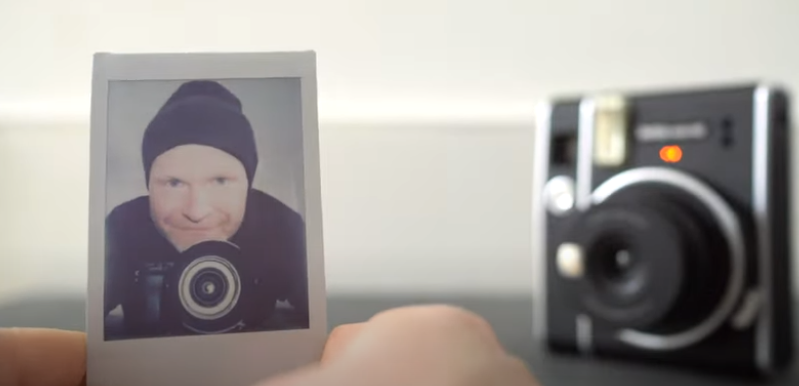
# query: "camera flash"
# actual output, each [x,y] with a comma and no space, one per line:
[610,131]
[570,260]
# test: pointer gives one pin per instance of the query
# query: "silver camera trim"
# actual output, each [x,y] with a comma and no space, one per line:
[761,211]
[761,143]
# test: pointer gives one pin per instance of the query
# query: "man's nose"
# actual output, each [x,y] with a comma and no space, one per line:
[197,208]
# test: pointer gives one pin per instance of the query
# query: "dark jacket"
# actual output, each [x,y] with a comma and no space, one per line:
[271,238]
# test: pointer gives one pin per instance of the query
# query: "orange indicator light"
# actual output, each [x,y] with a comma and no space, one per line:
[671,154]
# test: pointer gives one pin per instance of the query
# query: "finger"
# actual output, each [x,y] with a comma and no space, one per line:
[408,317]
[421,336]
[338,340]
[406,343]
[313,374]
[42,357]
[438,320]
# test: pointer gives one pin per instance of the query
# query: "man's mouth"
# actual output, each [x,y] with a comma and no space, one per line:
[195,230]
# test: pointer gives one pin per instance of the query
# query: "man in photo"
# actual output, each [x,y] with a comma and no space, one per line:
[199,160]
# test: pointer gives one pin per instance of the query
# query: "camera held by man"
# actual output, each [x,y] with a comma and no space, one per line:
[664,224]
[209,290]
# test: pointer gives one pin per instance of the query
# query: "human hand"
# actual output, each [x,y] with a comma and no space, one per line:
[42,357]
[420,345]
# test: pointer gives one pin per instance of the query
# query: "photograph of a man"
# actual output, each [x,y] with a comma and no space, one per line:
[204,250]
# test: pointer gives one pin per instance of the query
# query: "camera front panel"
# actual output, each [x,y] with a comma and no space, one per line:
[662,215]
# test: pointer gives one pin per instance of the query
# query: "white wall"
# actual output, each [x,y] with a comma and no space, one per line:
[426,102]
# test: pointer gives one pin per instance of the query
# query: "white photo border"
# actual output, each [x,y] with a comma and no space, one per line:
[230,359]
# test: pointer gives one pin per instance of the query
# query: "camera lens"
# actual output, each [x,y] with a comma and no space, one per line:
[617,267]
[211,290]
[653,260]
[208,287]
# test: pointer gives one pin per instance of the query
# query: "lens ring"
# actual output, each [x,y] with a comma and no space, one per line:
[228,278]
[731,229]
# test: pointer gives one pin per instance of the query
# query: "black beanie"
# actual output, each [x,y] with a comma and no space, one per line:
[201,112]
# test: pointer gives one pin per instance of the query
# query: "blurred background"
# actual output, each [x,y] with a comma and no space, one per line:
[425,115]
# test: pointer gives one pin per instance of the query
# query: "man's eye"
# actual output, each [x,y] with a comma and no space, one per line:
[221,180]
[174,183]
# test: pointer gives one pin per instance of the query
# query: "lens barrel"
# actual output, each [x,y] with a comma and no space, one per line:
[655,260]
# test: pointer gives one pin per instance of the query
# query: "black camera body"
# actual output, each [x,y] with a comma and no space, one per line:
[663,223]
[208,289]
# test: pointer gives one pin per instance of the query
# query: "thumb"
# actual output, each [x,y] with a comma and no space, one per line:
[42,357]
[338,339]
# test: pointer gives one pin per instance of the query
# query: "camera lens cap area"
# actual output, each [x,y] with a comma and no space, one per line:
[634,263]
[645,261]
[208,288]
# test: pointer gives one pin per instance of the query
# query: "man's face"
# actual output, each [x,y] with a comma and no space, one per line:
[197,193]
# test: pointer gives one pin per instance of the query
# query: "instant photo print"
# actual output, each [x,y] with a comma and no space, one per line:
[205,248]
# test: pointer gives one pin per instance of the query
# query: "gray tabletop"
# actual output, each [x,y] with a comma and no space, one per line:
[511,317]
